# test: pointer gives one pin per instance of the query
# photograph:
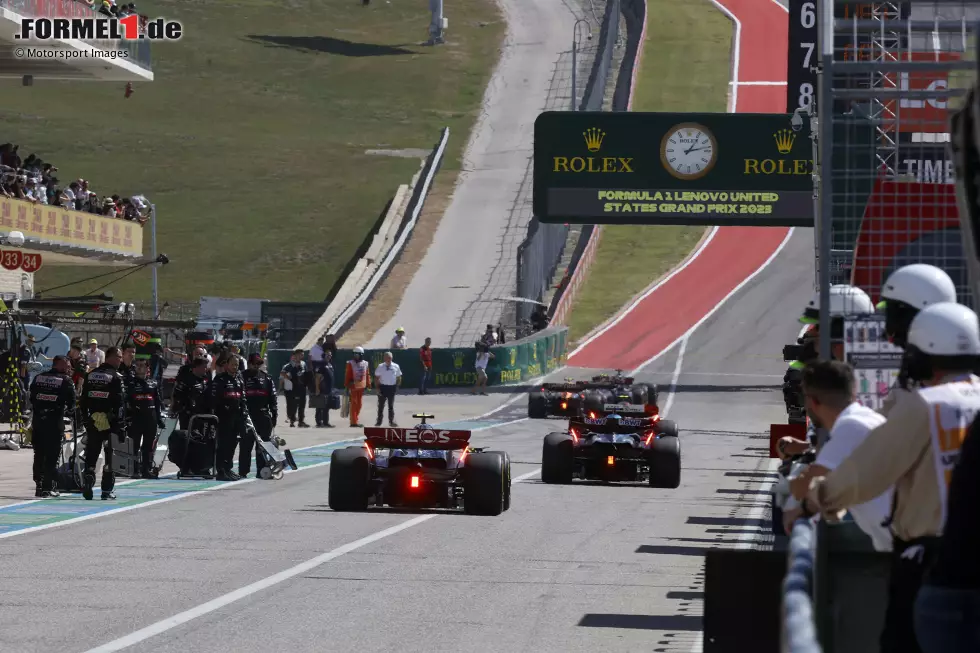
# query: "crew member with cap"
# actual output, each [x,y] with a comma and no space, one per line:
[94,356]
[52,396]
[357,379]
[389,378]
[263,408]
[227,400]
[916,450]
[399,341]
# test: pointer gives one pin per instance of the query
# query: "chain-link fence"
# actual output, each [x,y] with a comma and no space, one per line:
[892,72]
[539,254]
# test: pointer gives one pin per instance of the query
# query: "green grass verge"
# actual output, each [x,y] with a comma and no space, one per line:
[252,139]
[685,67]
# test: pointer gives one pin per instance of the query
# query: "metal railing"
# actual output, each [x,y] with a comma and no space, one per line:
[139,50]
[799,634]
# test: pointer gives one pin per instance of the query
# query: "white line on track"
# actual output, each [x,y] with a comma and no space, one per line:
[216,604]
[709,314]
[649,291]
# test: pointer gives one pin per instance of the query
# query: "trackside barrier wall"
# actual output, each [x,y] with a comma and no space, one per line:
[798,634]
[541,250]
[634,16]
[387,244]
[514,363]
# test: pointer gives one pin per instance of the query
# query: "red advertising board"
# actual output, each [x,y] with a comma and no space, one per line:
[15,259]
[917,114]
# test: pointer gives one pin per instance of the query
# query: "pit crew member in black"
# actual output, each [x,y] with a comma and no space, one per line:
[191,392]
[144,408]
[227,401]
[126,366]
[260,396]
[102,405]
[52,396]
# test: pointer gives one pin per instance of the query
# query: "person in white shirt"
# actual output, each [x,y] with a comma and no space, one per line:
[93,355]
[483,356]
[399,341]
[316,352]
[828,388]
[389,377]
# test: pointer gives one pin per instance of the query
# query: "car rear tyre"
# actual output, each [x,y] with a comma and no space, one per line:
[486,484]
[652,393]
[638,395]
[591,402]
[349,478]
[557,458]
[667,427]
[537,405]
[507,478]
[665,463]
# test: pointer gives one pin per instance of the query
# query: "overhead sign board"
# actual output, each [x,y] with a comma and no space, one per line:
[672,168]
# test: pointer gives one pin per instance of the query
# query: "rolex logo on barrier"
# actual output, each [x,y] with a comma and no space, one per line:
[513,357]
[593,138]
[784,140]
[458,360]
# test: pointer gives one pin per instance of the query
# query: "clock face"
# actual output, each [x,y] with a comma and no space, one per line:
[688,151]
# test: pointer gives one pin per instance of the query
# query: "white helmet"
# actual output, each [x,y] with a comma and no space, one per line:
[358,350]
[918,285]
[844,300]
[946,329]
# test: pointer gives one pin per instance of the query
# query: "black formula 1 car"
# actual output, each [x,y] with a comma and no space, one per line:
[577,398]
[624,443]
[420,467]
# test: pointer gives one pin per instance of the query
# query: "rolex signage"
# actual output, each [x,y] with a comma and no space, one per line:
[673,168]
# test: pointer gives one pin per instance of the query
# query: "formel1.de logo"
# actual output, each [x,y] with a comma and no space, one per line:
[129,28]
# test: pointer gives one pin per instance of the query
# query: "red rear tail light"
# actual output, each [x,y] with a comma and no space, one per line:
[573,434]
[591,415]
[564,405]
[650,436]
[369,452]
[415,481]
[610,460]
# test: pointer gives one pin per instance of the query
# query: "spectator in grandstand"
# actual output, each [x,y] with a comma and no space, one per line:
[399,341]
[425,357]
[829,395]
[67,198]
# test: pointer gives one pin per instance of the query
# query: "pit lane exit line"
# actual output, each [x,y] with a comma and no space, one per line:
[170,623]
[42,514]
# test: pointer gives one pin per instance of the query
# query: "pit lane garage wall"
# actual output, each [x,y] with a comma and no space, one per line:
[514,363]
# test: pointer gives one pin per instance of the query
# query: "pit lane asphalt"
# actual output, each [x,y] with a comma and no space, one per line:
[585,567]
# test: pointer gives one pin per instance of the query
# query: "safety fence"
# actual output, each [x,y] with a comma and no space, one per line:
[139,49]
[379,253]
[539,254]
[514,363]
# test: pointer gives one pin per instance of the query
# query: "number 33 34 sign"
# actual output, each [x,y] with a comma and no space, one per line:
[13,259]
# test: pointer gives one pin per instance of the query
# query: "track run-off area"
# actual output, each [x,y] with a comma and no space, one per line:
[252,565]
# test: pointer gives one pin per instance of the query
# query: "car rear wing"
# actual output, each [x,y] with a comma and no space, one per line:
[424,437]
[604,425]
[559,387]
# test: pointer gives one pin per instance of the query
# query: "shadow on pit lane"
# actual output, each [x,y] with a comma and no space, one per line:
[385,510]
[686,596]
[728,521]
[741,491]
[642,621]
[747,476]
[700,387]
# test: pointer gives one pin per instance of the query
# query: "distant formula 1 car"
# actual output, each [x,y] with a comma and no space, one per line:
[575,398]
[624,443]
[420,467]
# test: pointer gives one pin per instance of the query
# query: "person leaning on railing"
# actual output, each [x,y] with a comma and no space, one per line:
[914,450]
